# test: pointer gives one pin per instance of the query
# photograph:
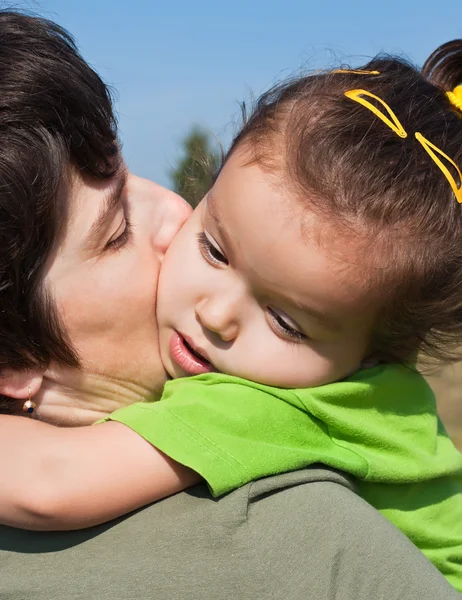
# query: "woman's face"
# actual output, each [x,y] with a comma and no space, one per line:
[103,279]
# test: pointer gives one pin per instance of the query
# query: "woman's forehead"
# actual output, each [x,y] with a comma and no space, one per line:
[88,203]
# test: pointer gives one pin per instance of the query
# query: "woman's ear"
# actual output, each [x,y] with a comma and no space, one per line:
[20,384]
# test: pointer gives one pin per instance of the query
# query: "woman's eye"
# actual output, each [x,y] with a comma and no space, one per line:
[285,325]
[120,239]
[209,251]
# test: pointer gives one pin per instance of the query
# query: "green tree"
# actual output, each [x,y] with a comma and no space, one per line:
[193,177]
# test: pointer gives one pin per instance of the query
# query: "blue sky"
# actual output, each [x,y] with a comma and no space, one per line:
[175,63]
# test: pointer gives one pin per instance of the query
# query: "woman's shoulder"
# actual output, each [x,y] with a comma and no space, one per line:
[281,538]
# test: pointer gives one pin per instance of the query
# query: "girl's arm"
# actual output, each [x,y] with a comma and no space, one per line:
[56,478]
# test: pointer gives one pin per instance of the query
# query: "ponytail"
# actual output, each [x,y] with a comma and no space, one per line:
[443,67]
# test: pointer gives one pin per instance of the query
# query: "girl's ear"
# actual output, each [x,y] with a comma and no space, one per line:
[20,384]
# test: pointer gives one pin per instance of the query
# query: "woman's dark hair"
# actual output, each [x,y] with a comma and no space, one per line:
[55,112]
[339,158]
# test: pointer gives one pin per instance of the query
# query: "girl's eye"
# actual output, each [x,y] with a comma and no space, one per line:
[120,239]
[211,252]
[285,326]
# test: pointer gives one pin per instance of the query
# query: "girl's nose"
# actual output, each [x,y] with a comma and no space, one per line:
[218,315]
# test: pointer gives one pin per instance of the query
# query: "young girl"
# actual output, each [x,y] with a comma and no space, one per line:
[326,257]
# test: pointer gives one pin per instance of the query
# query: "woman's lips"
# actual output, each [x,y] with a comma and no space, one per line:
[182,354]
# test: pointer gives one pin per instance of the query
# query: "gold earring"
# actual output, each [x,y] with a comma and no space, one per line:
[29,407]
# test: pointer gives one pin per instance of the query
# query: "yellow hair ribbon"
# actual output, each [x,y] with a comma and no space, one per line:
[356,71]
[392,121]
[431,149]
[455,97]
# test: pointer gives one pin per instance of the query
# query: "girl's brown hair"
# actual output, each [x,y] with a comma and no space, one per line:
[386,191]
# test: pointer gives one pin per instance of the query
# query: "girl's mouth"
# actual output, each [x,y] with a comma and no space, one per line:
[187,357]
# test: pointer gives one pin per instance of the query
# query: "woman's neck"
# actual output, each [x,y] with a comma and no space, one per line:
[72,398]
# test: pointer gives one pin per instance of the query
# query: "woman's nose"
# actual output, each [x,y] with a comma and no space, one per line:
[175,211]
[170,214]
[218,315]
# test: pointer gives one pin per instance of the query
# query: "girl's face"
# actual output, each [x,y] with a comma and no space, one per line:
[255,286]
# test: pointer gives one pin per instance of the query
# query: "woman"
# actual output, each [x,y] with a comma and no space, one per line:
[81,242]
[77,287]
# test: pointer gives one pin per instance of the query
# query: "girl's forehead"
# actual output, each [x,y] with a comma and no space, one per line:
[281,247]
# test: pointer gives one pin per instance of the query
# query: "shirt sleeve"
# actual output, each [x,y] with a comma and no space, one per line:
[231,431]
[379,426]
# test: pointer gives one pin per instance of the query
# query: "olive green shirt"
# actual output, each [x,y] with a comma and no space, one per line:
[298,536]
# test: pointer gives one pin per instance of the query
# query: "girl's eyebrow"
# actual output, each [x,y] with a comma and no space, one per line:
[323,320]
[215,216]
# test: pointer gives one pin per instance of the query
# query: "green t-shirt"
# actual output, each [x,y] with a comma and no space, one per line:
[380,425]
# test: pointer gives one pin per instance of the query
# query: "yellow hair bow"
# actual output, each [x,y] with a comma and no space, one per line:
[455,97]
[392,121]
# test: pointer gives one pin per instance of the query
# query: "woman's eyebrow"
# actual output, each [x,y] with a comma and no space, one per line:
[109,207]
